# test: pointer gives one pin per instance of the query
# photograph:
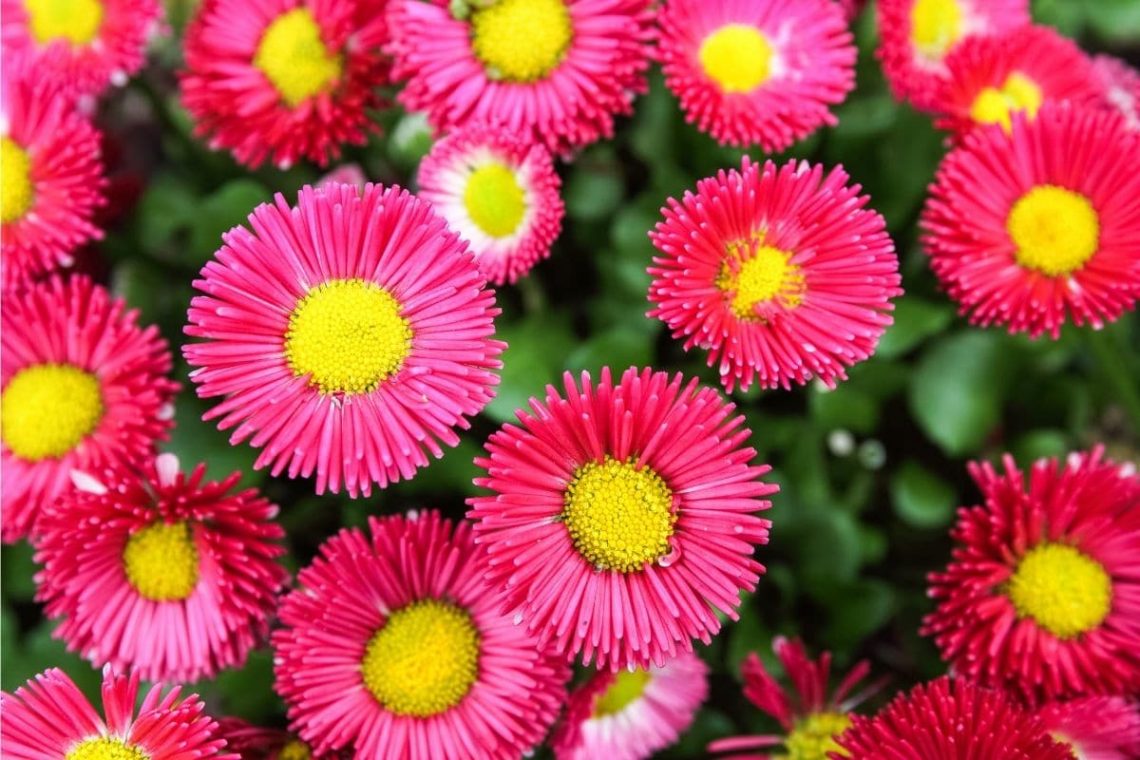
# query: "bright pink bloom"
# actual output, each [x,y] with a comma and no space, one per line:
[348,335]
[779,272]
[915,36]
[630,715]
[395,647]
[1042,595]
[811,714]
[84,46]
[500,193]
[991,77]
[284,80]
[762,72]
[50,717]
[162,573]
[53,176]
[555,70]
[1032,227]
[622,518]
[1120,87]
[1097,728]
[84,387]
[950,719]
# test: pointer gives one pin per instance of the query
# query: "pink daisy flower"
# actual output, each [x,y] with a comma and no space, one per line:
[632,714]
[780,273]
[555,70]
[394,646]
[1120,87]
[500,193]
[162,573]
[50,717]
[83,387]
[1043,592]
[1028,228]
[348,335]
[84,45]
[992,77]
[256,743]
[622,518]
[53,177]
[764,72]
[950,719]
[284,80]
[915,36]
[1096,728]
[811,715]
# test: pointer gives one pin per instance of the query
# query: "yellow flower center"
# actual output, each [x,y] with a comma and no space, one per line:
[293,57]
[814,736]
[161,561]
[738,57]
[16,193]
[626,688]
[47,409]
[521,40]
[76,21]
[424,660]
[295,749]
[348,336]
[996,106]
[494,199]
[935,25]
[1064,591]
[759,277]
[105,748]
[1055,230]
[620,517]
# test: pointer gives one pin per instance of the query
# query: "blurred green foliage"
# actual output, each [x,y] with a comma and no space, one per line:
[870,473]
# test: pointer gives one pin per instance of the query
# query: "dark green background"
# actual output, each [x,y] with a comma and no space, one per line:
[870,474]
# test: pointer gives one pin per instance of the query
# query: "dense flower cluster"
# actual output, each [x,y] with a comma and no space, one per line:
[350,337]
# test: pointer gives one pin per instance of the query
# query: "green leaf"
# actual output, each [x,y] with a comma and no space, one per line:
[858,610]
[958,389]
[914,321]
[220,212]
[844,408]
[249,691]
[920,497]
[536,348]
[617,349]
[593,190]
[18,571]
[194,441]
[1038,444]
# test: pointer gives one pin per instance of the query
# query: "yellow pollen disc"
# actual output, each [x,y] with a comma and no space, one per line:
[295,749]
[1064,591]
[16,193]
[424,660]
[814,736]
[620,517]
[521,40]
[935,26]
[293,57]
[626,688]
[105,748]
[76,21]
[161,561]
[1055,231]
[760,277]
[348,336]
[994,106]
[47,409]
[738,57]
[494,200]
